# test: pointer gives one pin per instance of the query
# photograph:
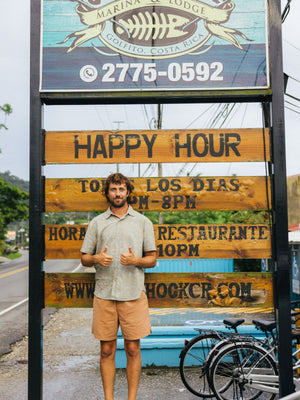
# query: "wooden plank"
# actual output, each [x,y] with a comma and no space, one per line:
[170,290]
[176,241]
[293,199]
[172,194]
[141,146]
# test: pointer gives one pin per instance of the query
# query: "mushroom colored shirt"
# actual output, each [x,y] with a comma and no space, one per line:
[119,282]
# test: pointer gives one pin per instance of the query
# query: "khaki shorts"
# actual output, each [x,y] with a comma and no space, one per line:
[132,316]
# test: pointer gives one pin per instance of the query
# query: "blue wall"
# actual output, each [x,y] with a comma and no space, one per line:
[193,265]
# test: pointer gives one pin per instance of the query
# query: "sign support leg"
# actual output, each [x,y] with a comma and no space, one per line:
[281,251]
[35,386]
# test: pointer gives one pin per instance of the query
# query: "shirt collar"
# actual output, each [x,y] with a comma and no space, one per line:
[109,214]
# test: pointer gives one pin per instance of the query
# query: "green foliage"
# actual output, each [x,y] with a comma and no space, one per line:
[62,218]
[13,206]
[249,217]
[209,217]
[14,181]
[8,250]
[7,110]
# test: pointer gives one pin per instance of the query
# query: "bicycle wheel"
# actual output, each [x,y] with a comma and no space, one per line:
[244,371]
[193,364]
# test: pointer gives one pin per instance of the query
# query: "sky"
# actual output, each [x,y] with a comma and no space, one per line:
[14,90]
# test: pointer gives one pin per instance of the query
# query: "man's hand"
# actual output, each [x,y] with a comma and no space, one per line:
[102,258]
[128,258]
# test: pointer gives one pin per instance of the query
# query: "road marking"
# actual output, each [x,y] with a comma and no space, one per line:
[13,272]
[27,298]
[14,306]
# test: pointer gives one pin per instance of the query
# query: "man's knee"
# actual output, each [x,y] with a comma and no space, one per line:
[108,349]
[132,348]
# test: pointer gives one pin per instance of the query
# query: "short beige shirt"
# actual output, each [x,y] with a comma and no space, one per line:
[119,282]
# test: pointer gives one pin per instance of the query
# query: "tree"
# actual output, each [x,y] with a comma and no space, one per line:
[7,110]
[13,206]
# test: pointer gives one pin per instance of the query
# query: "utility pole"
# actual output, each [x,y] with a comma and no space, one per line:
[118,128]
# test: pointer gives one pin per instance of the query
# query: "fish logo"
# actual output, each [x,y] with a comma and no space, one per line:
[147,27]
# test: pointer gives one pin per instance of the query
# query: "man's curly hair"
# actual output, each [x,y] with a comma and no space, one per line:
[118,179]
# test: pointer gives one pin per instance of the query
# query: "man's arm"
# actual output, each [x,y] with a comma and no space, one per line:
[147,261]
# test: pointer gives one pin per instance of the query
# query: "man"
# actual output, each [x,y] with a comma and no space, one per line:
[120,243]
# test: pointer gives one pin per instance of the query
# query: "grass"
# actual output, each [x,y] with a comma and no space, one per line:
[12,256]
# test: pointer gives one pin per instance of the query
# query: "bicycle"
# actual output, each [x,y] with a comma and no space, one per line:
[194,360]
[199,354]
[247,370]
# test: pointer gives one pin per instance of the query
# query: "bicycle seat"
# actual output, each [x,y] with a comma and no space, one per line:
[264,324]
[233,322]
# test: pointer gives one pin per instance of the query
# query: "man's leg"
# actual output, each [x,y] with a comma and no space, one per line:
[107,367]
[134,364]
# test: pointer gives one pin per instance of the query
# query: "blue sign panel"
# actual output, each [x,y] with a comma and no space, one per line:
[143,45]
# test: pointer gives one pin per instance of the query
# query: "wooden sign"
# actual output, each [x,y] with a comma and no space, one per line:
[170,194]
[206,145]
[175,241]
[169,289]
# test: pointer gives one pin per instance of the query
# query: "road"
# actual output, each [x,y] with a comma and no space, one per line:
[14,297]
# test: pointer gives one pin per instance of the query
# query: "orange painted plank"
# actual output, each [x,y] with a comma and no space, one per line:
[171,194]
[170,289]
[176,241]
[143,146]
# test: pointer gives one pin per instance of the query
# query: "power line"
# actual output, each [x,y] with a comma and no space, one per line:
[294,79]
[148,119]
[199,116]
[126,116]
[292,104]
[244,116]
[99,116]
[292,97]
[288,108]
[292,45]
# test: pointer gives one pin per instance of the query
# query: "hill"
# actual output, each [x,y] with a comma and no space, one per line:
[14,181]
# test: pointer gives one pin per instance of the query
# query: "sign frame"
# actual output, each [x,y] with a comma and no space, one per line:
[273,99]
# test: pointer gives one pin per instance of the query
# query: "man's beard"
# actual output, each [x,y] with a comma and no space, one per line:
[118,205]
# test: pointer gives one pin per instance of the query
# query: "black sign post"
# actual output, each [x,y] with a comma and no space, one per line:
[280,218]
[35,353]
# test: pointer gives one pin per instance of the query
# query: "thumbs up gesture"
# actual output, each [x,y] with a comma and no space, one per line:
[128,258]
[103,258]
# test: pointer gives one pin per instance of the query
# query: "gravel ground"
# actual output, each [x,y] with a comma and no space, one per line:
[71,366]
